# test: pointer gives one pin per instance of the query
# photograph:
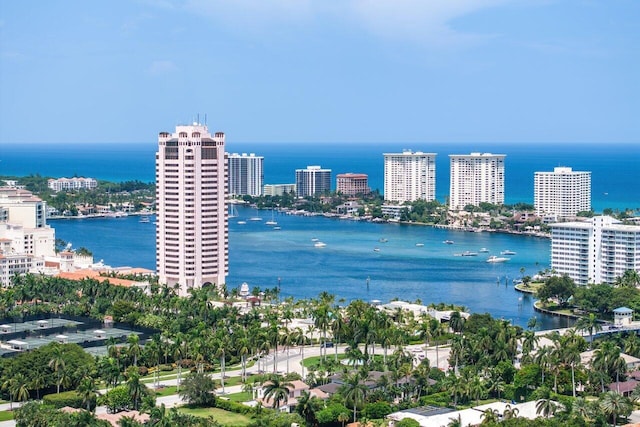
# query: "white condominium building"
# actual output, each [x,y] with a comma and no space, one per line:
[25,237]
[246,174]
[562,193]
[278,189]
[409,176]
[476,178]
[312,181]
[191,191]
[595,251]
[76,183]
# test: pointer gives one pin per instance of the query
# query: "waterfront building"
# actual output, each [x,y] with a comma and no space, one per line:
[476,178]
[192,225]
[562,193]
[598,250]
[409,176]
[278,189]
[351,184]
[25,237]
[75,183]
[312,181]
[246,174]
[394,212]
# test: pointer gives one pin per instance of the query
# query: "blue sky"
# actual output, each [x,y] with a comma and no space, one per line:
[352,71]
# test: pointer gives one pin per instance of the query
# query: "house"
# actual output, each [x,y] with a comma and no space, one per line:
[294,394]
[633,363]
[374,381]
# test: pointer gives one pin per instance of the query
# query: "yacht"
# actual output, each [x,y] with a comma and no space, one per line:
[419,245]
[319,244]
[507,252]
[494,259]
[469,253]
[242,222]
[483,250]
[272,221]
[376,249]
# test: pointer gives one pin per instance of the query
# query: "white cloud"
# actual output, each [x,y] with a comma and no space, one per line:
[424,21]
[162,67]
[427,22]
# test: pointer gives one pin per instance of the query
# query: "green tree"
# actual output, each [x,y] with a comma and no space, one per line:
[614,404]
[558,288]
[277,389]
[354,391]
[198,389]
[57,364]
[87,390]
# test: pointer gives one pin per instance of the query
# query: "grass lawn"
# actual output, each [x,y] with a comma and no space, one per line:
[6,415]
[166,391]
[223,417]
[315,360]
[240,397]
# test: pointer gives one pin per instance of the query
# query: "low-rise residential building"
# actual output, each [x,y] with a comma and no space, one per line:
[278,189]
[75,183]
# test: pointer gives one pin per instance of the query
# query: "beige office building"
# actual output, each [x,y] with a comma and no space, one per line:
[192,224]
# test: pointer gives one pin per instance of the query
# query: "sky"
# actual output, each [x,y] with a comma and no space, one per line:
[312,71]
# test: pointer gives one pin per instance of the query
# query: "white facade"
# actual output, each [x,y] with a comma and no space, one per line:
[595,251]
[278,189]
[25,237]
[476,178]
[312,181]
[409,176]
[192,225]
[246,174]
[75,183]
[562,193]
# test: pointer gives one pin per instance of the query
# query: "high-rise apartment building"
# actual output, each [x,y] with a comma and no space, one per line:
[246,174]
[409,176]
[192,224]
[595,251]
[312,181]
[476,178]
[351,184]
[562,193]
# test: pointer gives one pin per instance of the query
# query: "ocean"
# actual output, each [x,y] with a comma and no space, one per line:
[348,266]
[615,168]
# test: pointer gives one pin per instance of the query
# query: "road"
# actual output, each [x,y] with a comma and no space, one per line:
[284,363]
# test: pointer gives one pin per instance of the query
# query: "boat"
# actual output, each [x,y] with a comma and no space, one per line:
[277,228]
[419,245]
[483,250]
[507,252]
[469,253]
[319,244]
[376,249]
[144,219]
[315,239]
[448,242]
[272,221]
[494,259]
[242,222]
[233,212]
[383,240]
[255,218]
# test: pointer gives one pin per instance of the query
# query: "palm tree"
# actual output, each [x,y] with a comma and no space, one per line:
[57,364]
[509,412]
[612,403]
[135,387]
[134,349]
[16,386]
[343,417]
[589,324]
[490,416]
[87,390]
[354,391]
[278,390]
[545,406]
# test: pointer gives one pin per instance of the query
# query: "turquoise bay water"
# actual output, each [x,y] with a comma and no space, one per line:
[260,255]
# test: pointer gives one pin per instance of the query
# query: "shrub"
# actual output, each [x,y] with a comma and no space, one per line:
[376,410]
[166,368]
[143,370]
[67,398]
[236,407]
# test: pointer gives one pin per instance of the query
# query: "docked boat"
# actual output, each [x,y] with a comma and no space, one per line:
[483,250]
[319,244]
[507,252]
[494,259]
[448,242]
